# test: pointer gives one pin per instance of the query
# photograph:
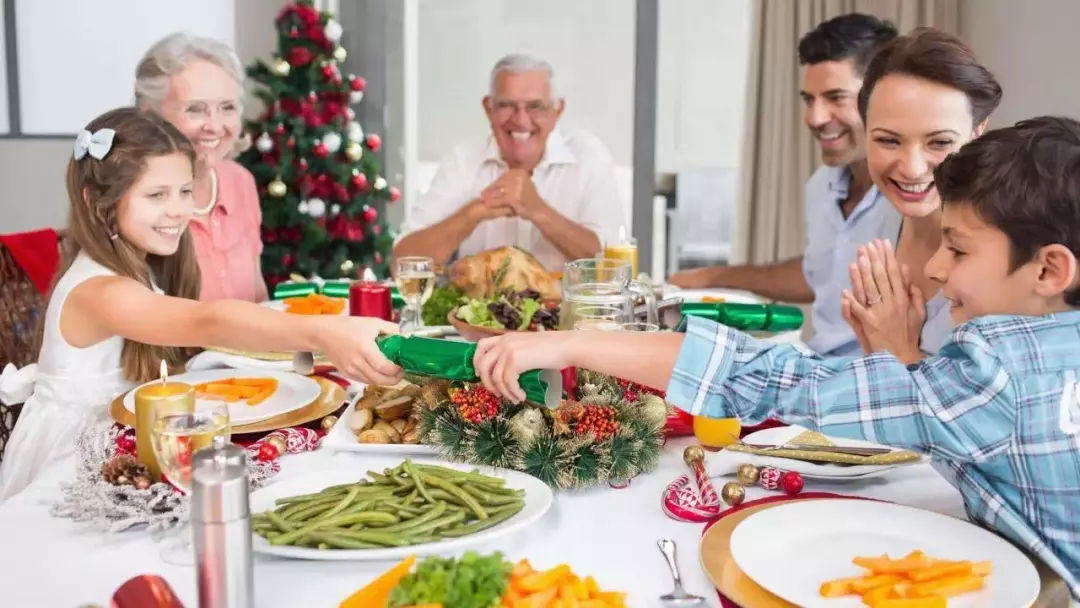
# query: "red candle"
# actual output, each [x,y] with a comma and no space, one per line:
[369,299]
[145,591]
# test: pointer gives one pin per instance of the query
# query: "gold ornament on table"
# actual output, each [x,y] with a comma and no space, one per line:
[693,454]
[278,442]
[733,493]
[280,67]
[747,474]
[353,151]
[328,422]
[340,54]
[276,188]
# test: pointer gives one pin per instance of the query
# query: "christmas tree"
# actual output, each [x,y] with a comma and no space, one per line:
[321,193]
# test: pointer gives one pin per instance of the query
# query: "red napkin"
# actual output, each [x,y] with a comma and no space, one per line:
[724,601]
[37,253]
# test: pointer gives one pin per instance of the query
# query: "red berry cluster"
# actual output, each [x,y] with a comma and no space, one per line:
[598,420]
[632,390]
[475,404]
[125,442]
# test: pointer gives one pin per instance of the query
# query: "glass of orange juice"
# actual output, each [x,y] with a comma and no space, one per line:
[716,432]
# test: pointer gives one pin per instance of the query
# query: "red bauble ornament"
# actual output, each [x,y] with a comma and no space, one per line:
[359,181]
[293,33]
[792,482]
[125,443]
[299,56]
[341,193]
[279,129]
[370,214]
[769,478]
[395,194]
[378,258]
[376,230]
[357,83]
[290,143]
[313,96]
[320,150]
[269,236]
[307,14]
[268,452]
[302,164]
[373,142]
[287,260]
[328,71]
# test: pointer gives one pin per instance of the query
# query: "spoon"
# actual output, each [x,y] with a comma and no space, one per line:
[678,597]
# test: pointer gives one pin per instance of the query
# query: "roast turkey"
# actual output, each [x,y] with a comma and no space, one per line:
[505,268]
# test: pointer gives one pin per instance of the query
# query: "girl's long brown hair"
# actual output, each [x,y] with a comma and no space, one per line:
[95,189]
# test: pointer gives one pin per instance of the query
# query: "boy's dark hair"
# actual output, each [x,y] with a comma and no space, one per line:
[853,36]
[1023,180]
[939,57]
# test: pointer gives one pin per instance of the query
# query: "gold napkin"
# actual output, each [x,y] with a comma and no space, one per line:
[815,438]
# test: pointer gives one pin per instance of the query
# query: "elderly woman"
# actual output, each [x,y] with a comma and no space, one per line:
[196,84]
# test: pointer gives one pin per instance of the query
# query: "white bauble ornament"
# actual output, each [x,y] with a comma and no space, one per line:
[356,96]
[332,30]
[335,209]
[354,132]
[332,141]
[316,207]
[302,207]
[380,183]
[264,143]
[340,54]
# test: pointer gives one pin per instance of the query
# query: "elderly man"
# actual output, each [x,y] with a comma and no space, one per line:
[843,208]
[525,184]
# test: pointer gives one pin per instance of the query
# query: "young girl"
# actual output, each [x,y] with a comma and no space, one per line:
[127,297]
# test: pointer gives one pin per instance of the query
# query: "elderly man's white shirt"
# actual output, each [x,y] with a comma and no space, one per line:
[576,177]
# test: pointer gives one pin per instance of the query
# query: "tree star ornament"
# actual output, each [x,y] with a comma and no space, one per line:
[264,143]
[277,188]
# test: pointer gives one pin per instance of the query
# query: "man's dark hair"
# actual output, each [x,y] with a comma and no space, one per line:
[1023,180]
[940,57]
[854,36]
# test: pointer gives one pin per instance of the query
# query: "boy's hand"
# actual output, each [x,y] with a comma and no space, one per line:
[883,304]
[349,343]
[501,359]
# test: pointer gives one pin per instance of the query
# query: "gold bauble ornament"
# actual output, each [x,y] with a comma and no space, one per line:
[277,188]
[733,493]
[692,454]
[353,151]
[340,54]
[347,267]
[747,474]
[281,67]
[328,422]
[278,443]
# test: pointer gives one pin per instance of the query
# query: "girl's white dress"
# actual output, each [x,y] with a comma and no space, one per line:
[70,386]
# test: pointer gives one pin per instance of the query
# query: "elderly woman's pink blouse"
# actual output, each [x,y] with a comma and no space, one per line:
[228,240]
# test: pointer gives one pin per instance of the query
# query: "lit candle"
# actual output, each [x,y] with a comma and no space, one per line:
[624,249]
[174,395]
[369,298]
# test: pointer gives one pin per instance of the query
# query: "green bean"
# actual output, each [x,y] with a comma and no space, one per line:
[410,497]
[411,471]
[279,522]
[488,498]
[439,509]
[299,533]
[496,518]
[340,506]
[457,475]
[456,491]
[309,512]
[435,524]
[341,542]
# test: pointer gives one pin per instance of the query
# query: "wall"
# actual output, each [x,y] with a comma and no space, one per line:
[1029,46]
[32,191]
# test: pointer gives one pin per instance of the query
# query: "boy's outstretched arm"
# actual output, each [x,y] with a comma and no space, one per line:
[959,405]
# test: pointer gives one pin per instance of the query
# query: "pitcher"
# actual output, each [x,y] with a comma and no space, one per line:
[599,294]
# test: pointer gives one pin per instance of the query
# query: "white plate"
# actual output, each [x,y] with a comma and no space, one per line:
[538,499]
[294,392]
[697,295]
[814,470]
[791,549]
[342,439]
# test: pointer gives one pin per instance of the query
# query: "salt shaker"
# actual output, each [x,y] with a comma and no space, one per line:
[221,525]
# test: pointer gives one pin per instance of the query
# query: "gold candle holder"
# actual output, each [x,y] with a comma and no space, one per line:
[176,396]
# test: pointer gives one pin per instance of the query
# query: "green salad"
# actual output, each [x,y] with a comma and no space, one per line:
[472,581]
[443,299]
[516,310]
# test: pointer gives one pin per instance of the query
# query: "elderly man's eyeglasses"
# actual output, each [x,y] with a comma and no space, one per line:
[535,108]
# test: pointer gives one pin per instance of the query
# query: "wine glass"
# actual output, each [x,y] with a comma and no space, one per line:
[415,277]
[177,433]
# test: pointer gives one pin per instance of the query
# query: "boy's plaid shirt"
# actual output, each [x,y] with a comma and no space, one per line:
[998,410]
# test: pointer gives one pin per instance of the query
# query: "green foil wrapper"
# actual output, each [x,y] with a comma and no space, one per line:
[336,289]
[397,301]
[289,289]
[745,317]
[453,360]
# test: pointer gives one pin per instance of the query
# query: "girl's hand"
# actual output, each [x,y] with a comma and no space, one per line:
[889,309]
[501,359]
[349,343]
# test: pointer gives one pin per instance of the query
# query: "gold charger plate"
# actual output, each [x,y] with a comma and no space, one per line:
[330,398]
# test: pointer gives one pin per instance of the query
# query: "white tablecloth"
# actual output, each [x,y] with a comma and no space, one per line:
[608,533]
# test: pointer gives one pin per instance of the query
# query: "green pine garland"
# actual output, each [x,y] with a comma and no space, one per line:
[551,445]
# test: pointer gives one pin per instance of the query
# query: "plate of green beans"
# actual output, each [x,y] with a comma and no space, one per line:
[416,507]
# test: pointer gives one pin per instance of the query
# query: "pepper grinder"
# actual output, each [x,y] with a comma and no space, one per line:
[221,525]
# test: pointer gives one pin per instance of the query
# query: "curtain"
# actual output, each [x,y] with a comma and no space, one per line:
[778,152]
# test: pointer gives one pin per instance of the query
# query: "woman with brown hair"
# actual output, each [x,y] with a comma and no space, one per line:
[924,96]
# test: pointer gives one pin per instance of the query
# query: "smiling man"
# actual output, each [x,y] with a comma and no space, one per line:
[843,208]
[525,184]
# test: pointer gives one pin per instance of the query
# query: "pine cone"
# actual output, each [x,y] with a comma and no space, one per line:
[433,394]
[124,470]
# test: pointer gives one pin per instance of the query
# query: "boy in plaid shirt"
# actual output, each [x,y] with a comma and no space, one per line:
[997,409]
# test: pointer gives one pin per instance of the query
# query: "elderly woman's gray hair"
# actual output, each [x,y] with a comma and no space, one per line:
[519,62]
[170,55]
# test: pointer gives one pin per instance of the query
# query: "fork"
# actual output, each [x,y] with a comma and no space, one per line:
[678,598]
